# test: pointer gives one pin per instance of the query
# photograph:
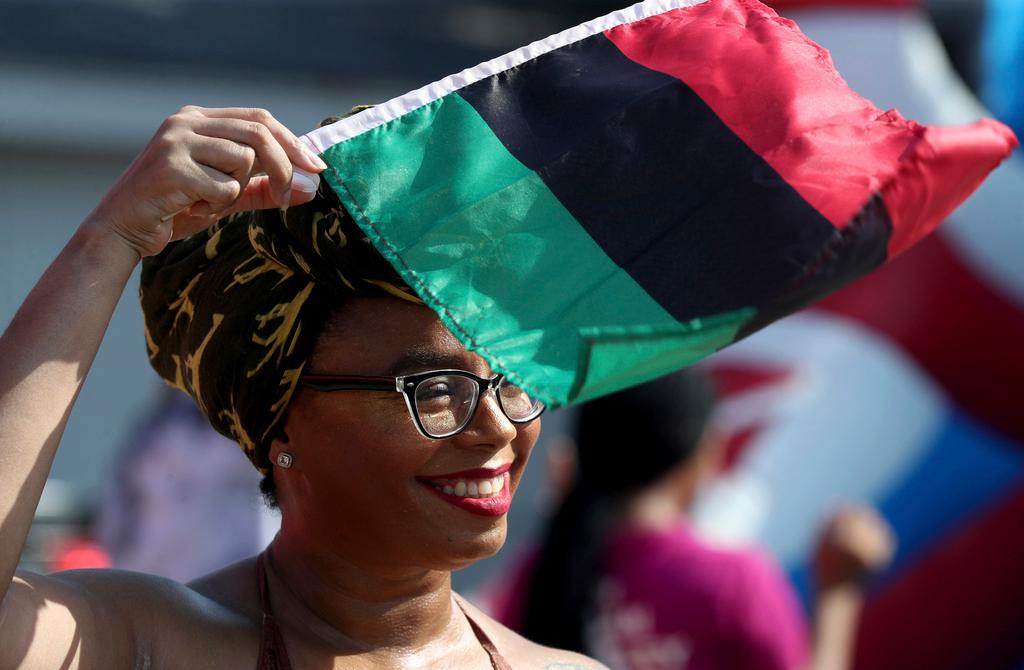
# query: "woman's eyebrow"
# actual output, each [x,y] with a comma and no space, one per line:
[418,360]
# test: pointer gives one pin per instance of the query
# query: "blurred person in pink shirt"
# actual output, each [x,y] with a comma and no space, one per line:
[622,576]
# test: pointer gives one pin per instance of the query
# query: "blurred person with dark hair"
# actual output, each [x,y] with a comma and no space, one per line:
[622,576]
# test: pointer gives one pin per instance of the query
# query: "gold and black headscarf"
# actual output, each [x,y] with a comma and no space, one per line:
[232,313]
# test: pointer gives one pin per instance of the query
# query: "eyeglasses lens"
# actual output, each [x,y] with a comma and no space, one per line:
[518,406]
[444,403]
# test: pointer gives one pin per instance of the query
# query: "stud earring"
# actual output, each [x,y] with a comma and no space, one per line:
[284,460]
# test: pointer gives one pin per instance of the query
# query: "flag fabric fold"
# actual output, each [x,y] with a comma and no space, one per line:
[628,196]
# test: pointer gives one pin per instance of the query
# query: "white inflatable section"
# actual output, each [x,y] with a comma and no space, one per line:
[814,452]
[896,59]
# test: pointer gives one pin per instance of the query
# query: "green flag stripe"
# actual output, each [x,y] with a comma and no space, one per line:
[509,270]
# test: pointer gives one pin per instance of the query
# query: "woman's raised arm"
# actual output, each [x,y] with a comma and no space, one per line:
[200,165]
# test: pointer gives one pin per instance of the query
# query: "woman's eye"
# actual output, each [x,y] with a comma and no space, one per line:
[435,392]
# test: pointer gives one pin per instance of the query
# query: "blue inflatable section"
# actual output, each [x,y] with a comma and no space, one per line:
[967,468]
[1003,61]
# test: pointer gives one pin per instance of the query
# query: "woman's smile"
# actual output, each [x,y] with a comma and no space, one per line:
[484,491]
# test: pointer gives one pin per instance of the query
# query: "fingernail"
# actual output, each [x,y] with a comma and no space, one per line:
[305,182]
[316,160]
[286,198]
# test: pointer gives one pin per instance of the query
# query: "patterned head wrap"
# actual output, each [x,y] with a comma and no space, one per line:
[232,313]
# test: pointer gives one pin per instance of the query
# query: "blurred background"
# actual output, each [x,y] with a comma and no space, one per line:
[903,391]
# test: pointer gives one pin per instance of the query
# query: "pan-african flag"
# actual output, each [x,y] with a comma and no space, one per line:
[630,195]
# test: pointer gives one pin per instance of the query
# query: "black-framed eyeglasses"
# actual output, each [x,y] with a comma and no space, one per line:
[441,402]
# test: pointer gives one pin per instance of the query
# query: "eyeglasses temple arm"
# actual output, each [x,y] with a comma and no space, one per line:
[328,383]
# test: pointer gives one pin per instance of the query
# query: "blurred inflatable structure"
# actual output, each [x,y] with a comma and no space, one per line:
[902,390]
[1003,61]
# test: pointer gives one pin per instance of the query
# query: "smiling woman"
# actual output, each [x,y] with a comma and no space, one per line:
[362,467]
[393,452]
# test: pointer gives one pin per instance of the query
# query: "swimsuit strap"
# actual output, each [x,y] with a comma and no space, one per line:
[274,655]
[498,661]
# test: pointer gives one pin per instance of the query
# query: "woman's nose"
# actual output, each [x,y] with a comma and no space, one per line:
[489,424]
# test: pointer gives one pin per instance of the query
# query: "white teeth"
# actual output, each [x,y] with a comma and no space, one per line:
[480,488]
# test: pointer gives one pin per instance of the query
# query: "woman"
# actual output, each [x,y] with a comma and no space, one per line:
[375,514]
[622,575]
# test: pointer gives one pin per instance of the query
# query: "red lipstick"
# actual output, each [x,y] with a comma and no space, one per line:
[495,505]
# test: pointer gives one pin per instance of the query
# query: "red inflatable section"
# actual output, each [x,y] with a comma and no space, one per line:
[959,607]
[957,326]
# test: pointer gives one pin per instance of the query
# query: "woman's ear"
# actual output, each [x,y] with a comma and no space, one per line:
[280,450]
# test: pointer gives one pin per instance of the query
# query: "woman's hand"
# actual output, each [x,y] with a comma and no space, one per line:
[203,164]
[856,544]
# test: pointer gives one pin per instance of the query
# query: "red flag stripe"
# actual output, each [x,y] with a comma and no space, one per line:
[928,190]
[805,122]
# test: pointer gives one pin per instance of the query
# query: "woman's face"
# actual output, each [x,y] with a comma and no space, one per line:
[364,481]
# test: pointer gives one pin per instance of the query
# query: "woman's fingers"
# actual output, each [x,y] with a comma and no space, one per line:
[213,193]
[202,163]
[272,157]
[275,147]
[218,189]
[259,194]
[227,156]
[297,152]
[220,160]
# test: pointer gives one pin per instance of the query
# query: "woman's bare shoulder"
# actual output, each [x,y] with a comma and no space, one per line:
[521,652]
[220,596]
[117,617]
[109,592]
